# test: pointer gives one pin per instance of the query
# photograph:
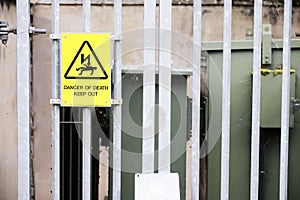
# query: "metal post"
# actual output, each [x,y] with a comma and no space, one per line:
[86,117]
[149,86]
[23,78]
[117,109]
[284,147]
[86,157]
[225,146]
[164,146]
[255,138]
[196,99]
[55,107]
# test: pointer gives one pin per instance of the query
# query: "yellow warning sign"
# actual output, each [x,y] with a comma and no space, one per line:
[85,70]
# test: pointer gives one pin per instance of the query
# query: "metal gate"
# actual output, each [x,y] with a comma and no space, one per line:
[163,36]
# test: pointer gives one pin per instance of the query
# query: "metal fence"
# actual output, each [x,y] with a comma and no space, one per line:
[165,35]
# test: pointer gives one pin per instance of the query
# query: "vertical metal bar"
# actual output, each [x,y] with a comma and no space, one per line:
[284,147]
[86,4]
[196,99]
[71,160]
[255,137]
[164,141]
[55,108]
[225,146]
[79,161]
[86,116]
[86,157]
[23,77]
[117,109]
[149,86]
[63,152]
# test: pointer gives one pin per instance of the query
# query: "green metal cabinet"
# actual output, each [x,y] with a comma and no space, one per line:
[240,127]
[132,130]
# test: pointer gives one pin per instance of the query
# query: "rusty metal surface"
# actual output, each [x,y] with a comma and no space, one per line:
[8,111]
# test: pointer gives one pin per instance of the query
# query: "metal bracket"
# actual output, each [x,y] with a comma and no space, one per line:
[117,37]
[296,107]
[37,31]
[55,101]
[116,101]
[267,44]
[55,36]
[296,104]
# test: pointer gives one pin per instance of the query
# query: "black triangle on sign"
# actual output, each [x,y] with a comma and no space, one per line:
[96,58]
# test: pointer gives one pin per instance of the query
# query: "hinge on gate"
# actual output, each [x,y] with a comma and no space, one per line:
[55,101]
[117,37]
[5,30]
[116,101]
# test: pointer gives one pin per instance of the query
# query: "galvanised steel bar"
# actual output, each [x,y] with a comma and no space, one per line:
[86,153]
[164,124]
[255,137]
[117,109]
[23,95]
[196,99]
[149,86]
[225,142]
[86,117]
[55,107]
[285,100]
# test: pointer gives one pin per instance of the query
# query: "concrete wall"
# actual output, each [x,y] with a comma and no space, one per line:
[8,110]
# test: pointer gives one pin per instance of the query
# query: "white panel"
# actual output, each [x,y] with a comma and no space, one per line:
[157,186]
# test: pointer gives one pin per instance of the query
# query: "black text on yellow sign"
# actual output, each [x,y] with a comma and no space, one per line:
[85,70]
